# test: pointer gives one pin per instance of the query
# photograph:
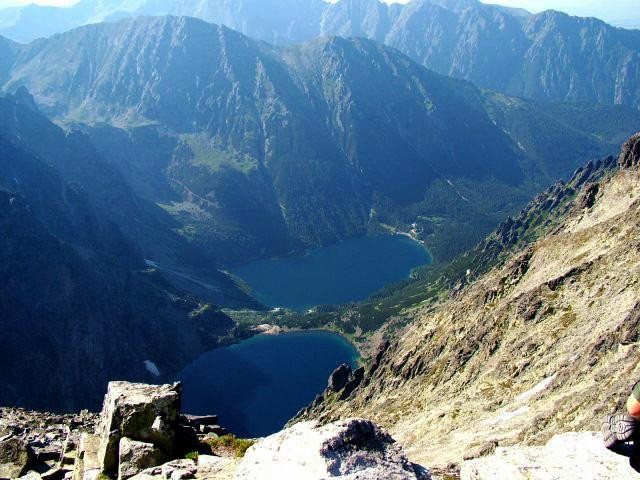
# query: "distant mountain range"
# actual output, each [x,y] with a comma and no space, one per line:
[255,150]
[547,56]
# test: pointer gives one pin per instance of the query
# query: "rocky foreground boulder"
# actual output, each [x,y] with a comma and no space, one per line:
[141,434]
[139,424]
[567,456]
[347,450]
[140,427]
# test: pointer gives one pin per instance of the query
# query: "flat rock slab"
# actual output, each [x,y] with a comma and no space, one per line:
[347,450]
[568,456]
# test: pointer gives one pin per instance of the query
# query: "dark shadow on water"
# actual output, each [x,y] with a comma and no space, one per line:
[256,386]
[217,383]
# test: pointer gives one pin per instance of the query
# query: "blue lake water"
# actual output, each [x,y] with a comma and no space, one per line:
[257,385]
[343,272]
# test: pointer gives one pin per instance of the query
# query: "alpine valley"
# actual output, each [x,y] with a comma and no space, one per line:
[255,150]
[149,148]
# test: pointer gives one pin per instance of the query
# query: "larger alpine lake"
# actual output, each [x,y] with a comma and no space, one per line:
[347,271]
[257,385]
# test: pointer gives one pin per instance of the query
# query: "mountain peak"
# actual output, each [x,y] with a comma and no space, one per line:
[549,56]
[453,5]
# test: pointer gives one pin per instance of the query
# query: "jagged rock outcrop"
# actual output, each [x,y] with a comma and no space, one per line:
[344,380]
[141,435]
[139,424]
[43,442]
[630,156]
[565,457]
[588,196]
[140,427]
[540,344]
[348,450]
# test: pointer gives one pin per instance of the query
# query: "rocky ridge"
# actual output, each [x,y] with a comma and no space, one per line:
[141,434]
[543,343]
[549,56]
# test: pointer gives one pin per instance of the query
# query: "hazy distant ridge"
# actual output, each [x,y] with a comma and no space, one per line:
[547,56]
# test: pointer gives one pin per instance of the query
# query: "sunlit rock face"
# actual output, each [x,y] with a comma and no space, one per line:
[547,56]
[547,315]
[347,449]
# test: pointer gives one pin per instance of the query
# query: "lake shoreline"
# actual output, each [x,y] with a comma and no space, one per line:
[273,329]
[252,324]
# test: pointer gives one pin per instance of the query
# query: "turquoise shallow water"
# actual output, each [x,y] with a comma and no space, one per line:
[343,272]
[257,385]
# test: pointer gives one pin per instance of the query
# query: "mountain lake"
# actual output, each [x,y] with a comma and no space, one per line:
[257,385]
[350,270]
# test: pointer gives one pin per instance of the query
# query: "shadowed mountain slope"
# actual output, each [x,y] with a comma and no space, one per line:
[77,304]
[76,160]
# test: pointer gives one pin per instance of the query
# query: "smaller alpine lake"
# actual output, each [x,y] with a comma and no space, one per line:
[257,385]
[347,271]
